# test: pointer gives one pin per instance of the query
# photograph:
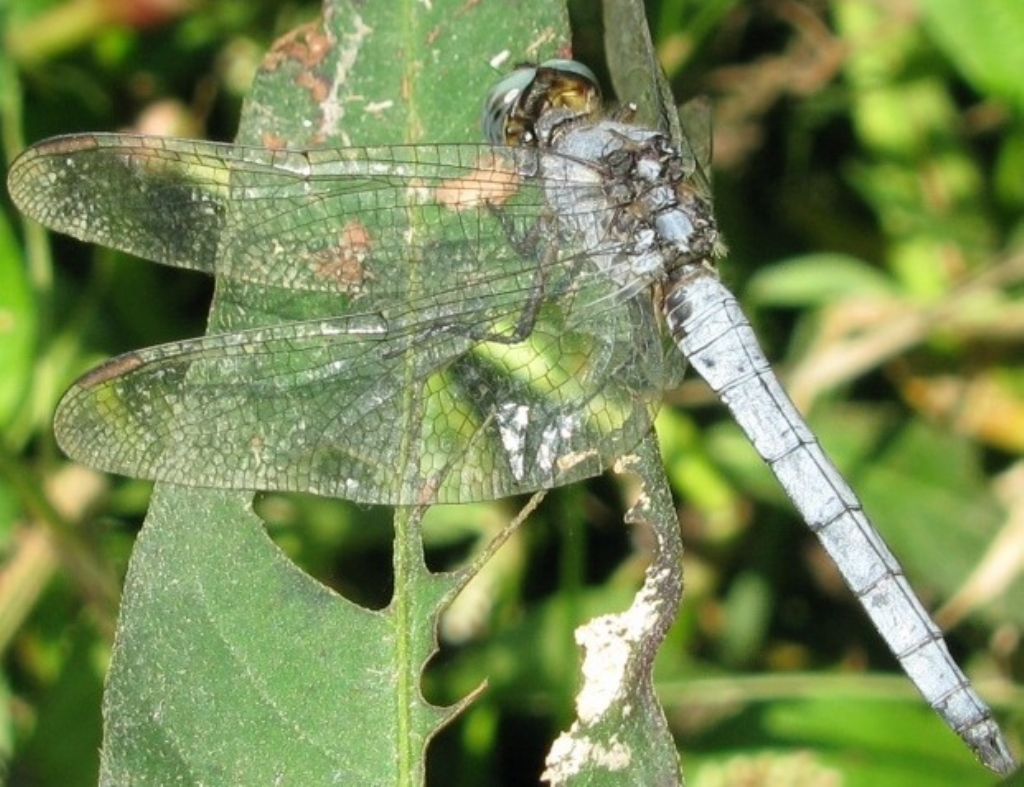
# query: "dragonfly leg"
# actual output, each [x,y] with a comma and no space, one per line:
[530,245]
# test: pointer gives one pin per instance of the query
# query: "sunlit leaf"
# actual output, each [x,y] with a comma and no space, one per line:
[232,666]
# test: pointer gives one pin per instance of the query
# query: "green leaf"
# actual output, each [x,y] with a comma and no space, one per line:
[61,748]
[921,753]
[816,279]
[1009,172]
[17,325]
[235,667]
[231,666]
[849,732]
[983,41]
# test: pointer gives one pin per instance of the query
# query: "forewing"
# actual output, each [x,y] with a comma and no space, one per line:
[636,73]
[342,221]
[639,79]
[695,124]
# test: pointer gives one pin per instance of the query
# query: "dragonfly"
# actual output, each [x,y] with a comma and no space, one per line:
[490,319]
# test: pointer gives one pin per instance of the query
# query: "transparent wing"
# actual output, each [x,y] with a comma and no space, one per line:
[636,73]
[350,221]
[695,125]
[420,266]
[639,79]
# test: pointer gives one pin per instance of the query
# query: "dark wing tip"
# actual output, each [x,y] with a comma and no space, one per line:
[68,143]
[115,367]
[22,183]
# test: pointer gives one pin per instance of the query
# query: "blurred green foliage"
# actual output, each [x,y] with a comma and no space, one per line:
[869,172]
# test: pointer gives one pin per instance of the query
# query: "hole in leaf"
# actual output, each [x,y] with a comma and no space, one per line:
[344,545]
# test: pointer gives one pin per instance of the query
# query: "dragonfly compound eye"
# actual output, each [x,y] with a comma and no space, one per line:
[516,103]
[501,102]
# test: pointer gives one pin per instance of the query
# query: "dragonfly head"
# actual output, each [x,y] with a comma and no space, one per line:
[517,102]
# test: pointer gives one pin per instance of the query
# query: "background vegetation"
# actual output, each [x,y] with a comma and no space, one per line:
[869,172]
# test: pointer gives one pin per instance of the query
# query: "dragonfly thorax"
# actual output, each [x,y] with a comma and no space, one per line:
[656,222]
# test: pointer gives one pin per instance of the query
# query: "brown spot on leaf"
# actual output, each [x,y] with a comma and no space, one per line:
[115,367]
[273,141]
[345,263]
[441,30]
[318,87]
[308,45]
[492,183]
[546,36]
